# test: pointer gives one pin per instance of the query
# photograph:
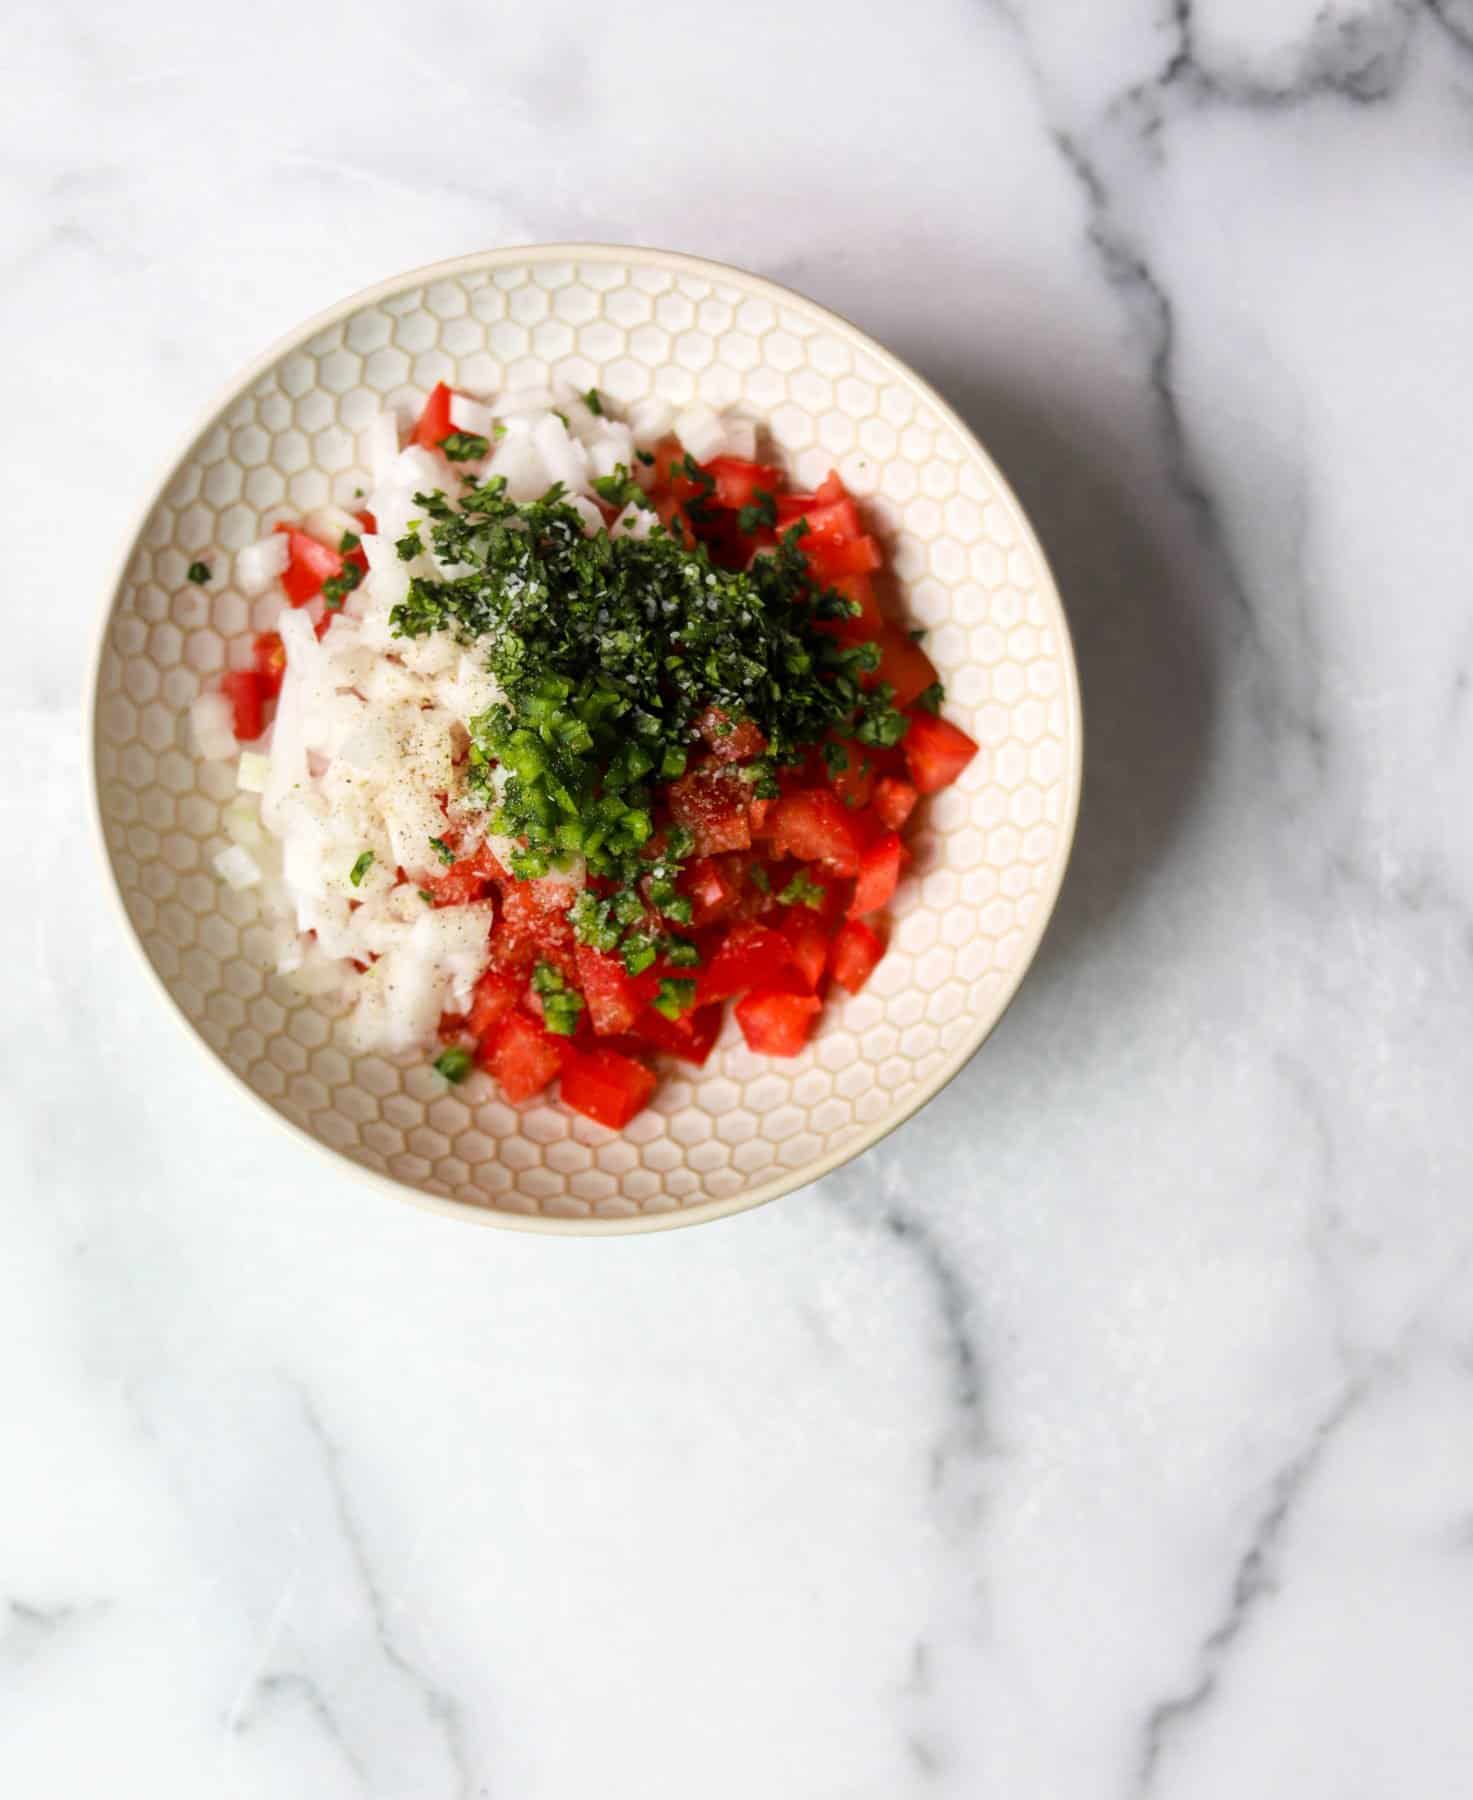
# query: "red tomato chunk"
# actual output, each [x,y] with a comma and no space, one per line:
[606,1086]
[777,1024]
[522,1055]
[855,952]
[310,564]
[936,752]
[246,692]
[879,872]
[612,1002]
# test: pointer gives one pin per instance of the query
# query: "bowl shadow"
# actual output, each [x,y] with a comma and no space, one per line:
[1144,676]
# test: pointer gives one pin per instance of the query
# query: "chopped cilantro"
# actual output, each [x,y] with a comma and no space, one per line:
[646,458]
[836,756]
[761,512]
[455,1062]
[759,878]
[677,995]
[199,572]
[427,896]
[802,891]
[681,953]
[350,540]
[593,402]
[606,652]
[409,546]
[361,868]
[338,587]
[465,446]
[442,850]
[619,489]
[932,697]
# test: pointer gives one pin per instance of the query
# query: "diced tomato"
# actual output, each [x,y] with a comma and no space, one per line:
[246,693]
[612,1003]
[757,816]
[366,519]
[855,781]
[539,909]
[835,523]
[904,665]
[606,1087]
[460,885]
[483,861]
[521,1054]
[309,564]
[739,740]
[497,992]
[869,622]
[714,891]
[813,825]
[893,801]
[268,654]
[691,1037]
[434,422]
[936,752]
[671,515]
[854,953]
[879,871]
[777,1024]
[829,560]
[714,809]
[738,482]
[809,945]
[749,956]
[670,460]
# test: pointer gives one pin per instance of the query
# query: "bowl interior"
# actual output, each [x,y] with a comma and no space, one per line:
[989,853]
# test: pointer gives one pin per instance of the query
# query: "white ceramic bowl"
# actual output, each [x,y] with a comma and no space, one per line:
[990,852]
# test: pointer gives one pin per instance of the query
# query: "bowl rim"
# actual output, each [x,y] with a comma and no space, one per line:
[698,1211]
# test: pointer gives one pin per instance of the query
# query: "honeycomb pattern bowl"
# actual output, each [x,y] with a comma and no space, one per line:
[990,852]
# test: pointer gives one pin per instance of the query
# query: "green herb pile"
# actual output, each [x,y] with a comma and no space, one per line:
[608,650]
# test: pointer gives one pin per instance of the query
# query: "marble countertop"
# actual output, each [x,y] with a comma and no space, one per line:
[1106,1431]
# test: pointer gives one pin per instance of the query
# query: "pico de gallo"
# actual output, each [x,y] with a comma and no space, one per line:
[691,789]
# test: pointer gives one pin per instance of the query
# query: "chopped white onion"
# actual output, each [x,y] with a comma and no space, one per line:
[612,449]
[471,415]
[212,719]
[381,445]
[649,420]
[242,822]
[635,522]
[237,867]
[741,438]
[328,524]
[253,772]
[261,563]
[701,431]
[593,519]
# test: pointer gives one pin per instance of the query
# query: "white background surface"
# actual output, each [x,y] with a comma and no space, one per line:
[1106,1432]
